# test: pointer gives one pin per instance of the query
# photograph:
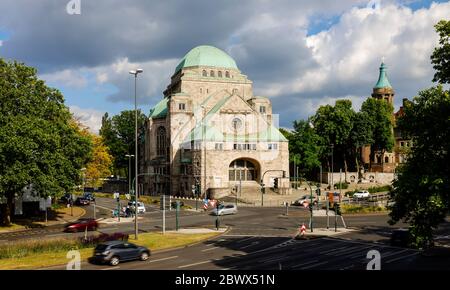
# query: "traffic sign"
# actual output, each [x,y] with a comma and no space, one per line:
[213,203]
[302,229]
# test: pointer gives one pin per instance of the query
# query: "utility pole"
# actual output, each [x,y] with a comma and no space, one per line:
[164,214]
[332,167]
[204,149]
[135,73]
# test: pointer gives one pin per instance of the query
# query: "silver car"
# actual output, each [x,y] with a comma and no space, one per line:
[225,209]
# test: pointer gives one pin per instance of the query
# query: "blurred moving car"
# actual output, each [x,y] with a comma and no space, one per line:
[224,209]
[89,196]
[82,201]
[140,206]
[361,194]
[114,252]
[304,199]
[81,225]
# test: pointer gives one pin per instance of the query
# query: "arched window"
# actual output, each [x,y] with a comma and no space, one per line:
[204,73]
[227,74]
[161,141]
[386,159]
[211,73]
[242,170]
[219,74]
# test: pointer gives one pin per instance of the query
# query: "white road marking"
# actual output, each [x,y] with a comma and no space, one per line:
[248,246]
[314,265]
[113,268]
[247,239]
[209,249]
[400,258]
[303,264]
[335,249]
[195,264]
[163,259]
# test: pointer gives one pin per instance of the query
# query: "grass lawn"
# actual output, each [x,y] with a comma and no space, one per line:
[358,209]
[12,227]
[38,254]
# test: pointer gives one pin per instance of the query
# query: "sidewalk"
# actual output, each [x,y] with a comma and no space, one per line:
[197,231]
[324,232]
[123,220]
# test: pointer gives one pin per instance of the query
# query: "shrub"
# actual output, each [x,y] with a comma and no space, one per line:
[343,184]
[379,188]
[94,240]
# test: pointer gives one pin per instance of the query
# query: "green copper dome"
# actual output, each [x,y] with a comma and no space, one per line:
[383,81]
[206,55]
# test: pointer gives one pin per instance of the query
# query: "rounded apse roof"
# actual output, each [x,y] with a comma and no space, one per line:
[206,55]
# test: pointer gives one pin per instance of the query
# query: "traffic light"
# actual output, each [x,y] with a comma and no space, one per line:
[275,183]
[337,208]
[318,192]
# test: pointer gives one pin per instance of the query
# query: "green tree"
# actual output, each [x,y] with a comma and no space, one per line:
[360,136]
[422,191]
[40,144]
[118,134]
[304,146]
[334,125]
[380,118]
[441,54]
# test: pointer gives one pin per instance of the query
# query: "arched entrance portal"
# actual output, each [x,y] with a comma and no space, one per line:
[243,169]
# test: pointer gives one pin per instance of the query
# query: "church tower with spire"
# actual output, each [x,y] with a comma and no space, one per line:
[383,89]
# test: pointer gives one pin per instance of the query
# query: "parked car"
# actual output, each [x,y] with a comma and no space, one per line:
[140,206]
[361,194]
[81,225]
[82,201]
[114,252]
[225,209]
[66,198]
[89,196]
[303,199]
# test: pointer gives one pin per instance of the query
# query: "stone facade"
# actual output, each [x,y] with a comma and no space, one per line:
[210,131]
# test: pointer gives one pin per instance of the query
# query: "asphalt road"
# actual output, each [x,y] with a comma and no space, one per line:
[232,252]
[251,221]
[261,238]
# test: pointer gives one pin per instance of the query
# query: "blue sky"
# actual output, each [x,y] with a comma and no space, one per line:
[320,51]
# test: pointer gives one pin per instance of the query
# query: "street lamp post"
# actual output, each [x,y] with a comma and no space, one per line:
[204,150]
[129,156]
[332,166]
[135,73]
[311,202]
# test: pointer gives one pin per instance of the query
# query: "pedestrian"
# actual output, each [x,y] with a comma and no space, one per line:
[127,211]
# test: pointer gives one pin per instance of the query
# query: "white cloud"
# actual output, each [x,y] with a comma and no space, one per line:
[88,117]
[68,77]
